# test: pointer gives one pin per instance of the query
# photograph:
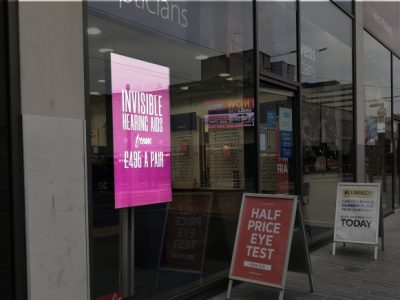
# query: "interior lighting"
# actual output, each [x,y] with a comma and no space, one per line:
[201,57]
[102,80]
[94,93]
[185,88]
[224,74]
[93,31]
[106,50]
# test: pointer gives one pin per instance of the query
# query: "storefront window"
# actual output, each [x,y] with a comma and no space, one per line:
[326,111]
[188,242]
[378,113]
[396,129]
[347,5]
[396,87]
[277,38]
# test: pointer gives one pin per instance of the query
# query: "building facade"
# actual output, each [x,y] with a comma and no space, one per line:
[264,97]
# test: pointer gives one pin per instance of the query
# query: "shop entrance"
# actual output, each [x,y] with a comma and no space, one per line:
[276,141]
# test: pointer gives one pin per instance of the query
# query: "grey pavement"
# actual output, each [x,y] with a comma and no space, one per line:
[351,274]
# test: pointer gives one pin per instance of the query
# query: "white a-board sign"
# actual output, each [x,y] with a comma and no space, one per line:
[358,214]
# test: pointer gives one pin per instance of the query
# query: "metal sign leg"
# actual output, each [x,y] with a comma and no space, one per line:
[228,293]
[334,248]
[310,280]
[375,252]
[281,292]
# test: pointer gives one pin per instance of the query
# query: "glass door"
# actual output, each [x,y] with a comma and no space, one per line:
[276,141]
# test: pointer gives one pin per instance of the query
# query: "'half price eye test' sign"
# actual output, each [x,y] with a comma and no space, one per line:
[263,239]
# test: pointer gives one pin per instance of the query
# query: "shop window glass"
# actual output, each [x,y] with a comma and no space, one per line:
[326,111]
[396,129]
[396,87]
[212,142]
[277,38]
[378,113]
[347,5]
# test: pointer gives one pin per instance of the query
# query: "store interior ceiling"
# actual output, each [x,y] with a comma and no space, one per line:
[183,58]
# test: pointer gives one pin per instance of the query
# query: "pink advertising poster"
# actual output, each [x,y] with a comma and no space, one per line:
[141,132]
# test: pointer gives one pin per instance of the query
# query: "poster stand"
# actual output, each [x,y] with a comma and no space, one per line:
[339,236]
[127,247]
[296,257]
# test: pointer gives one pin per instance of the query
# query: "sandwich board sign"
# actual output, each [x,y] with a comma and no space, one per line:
[358,217]
[263,241]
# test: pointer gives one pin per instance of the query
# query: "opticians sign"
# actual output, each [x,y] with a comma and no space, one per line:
[141,132]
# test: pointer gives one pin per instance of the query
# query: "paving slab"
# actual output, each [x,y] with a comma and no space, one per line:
[351,274]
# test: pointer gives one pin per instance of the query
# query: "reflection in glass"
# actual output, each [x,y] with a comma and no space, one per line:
[188,242]
[347,5]
[378,127]
[396,129]
[326,111]
[276,141]
[396,87]
[277,38]
[396,154]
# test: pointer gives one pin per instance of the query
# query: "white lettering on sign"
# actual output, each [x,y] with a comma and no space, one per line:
[268,214]
[148,159]
[263,225]
[139,109]
[308,57]
[141,103]
[282,168]
[255,265]
[162,9]
[308,52]
[259,252]
[142,141]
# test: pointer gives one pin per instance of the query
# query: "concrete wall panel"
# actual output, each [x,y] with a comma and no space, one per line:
[56,223]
